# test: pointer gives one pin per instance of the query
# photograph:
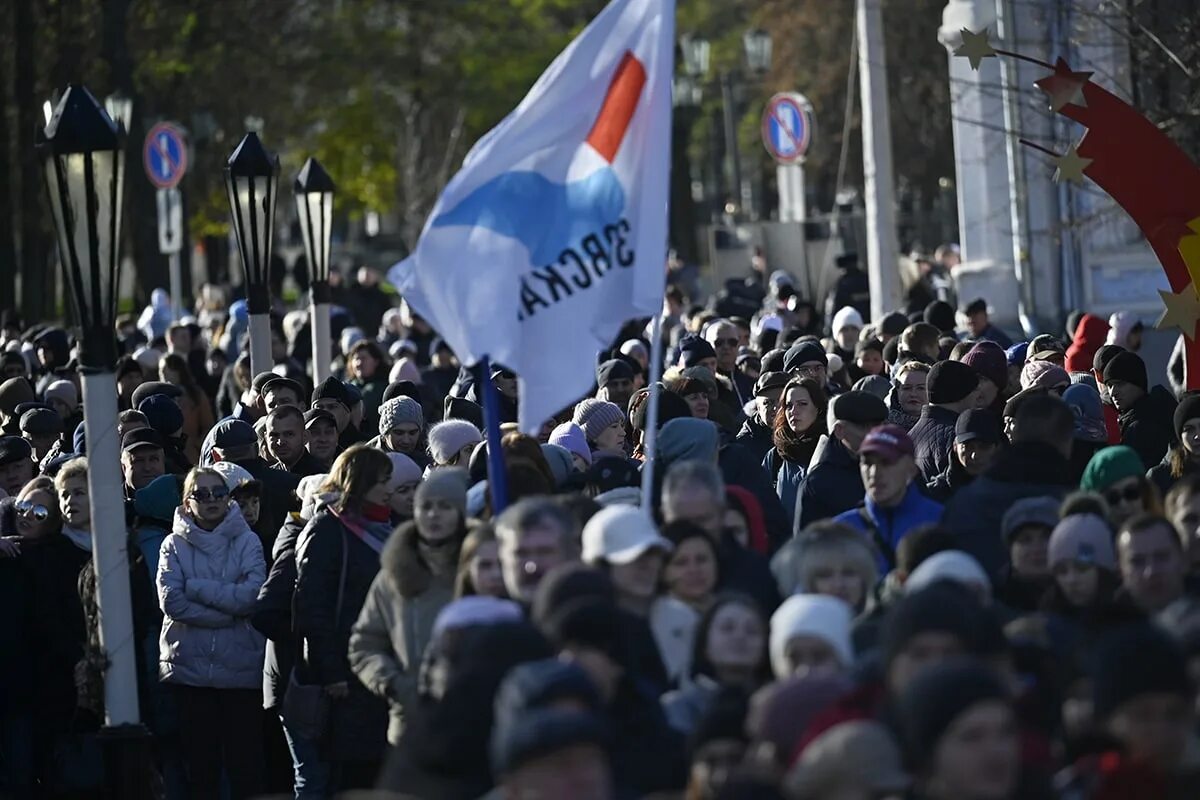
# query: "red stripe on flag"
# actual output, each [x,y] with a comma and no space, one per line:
[619,106]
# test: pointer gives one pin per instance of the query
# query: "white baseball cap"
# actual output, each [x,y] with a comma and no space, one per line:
[620,534]
[233,474]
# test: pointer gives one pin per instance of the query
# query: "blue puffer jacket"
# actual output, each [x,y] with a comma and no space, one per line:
[208,582]
[892,524]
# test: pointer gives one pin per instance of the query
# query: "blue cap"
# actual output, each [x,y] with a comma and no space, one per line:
[233,433]
[1016,353]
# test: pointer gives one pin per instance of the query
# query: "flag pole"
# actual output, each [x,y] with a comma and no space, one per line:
[650,445]
[497,477]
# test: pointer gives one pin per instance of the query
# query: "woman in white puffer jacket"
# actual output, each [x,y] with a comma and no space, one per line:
[210,569]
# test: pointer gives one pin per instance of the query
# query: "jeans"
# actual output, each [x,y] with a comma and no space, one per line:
[312,774]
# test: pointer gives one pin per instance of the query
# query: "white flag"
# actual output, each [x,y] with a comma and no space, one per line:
[554,231]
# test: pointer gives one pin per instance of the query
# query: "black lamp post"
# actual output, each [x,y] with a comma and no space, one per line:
[314,207]
[251,180]
[83,156]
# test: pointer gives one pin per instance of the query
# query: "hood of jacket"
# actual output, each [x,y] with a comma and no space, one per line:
[208,541]
[1089,336]
[1120,326]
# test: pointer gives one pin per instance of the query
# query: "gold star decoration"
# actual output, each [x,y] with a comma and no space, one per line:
[975,47]
[1182,311]
[1189,250]
[1070,166]
[1064,87]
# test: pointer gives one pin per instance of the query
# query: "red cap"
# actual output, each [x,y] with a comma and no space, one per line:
[889,441]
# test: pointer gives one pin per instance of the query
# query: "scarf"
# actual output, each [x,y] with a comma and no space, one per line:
[372,533]
[80,538]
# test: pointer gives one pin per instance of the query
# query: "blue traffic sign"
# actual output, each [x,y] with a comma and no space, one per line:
[787,127]
[165,155]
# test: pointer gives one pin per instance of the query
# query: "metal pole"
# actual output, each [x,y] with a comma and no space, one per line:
[650,444]
[260,344]
[731,143]
[176,275]
[882,250]
[106,499]
[497,477]
[319,316]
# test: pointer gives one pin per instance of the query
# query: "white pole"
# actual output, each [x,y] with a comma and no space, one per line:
[260,344]
[176,275]
[106,500]
[882,260]
[650,443]
[319,315]
[799,206]
[790,178]
[785,192]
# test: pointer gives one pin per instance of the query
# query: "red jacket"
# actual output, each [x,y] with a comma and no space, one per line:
[1088,338]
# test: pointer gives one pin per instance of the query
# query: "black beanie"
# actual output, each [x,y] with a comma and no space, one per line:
[1127,367]
[950,382]
[1105,354]
[772,360]
[693,350]
[1135,660]
[940,315]
[1188,408]
[803,353]
[936,697]
[943,606]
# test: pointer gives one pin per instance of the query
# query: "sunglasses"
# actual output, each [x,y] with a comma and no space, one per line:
[205,495]
[725,342]
[1130,494]
[27,509]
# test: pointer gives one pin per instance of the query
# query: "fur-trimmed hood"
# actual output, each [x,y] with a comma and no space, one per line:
[408,571]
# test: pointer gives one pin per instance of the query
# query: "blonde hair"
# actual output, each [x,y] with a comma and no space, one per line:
[799,559]
[75,468]
[911,365]
[353,474]
[193,477]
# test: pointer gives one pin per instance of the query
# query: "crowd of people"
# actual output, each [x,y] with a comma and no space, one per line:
[894,558]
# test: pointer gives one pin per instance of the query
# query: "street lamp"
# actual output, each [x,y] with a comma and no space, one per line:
[314,207]
[120,107]
[251,180]
[83,158]
[696,51]
[757,46]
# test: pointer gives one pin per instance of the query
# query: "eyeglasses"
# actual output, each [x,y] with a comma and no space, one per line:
[1130,494]
[725,342]
[27,509]
[205,495]
[810,370]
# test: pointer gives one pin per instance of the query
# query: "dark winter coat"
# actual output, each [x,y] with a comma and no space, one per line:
[947,484]
[739,469]
[272,614]
[1147,427]
[788,473]
[55,626]
[755,438]
[833,485]
[278,498]
[933,439]
[1160,474]
[307,464]
[358,723]
[1027,469]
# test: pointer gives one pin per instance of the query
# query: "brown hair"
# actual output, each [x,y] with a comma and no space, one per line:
[376,352]
[176,362]
[353,474]
[484,534]
[787,441]
[524,446]
[918,338]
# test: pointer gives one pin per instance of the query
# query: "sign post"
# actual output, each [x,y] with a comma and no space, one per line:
[787,130]
[164,156]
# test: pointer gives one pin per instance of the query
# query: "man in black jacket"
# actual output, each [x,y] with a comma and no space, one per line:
[1036,464]
[234,440]
[953,387]
[286,442]
[1146,416]
[756,435]
[834,483]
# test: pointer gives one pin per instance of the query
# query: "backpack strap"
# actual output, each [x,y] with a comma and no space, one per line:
[881,544]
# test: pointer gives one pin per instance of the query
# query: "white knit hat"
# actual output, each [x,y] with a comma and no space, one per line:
[817,615]
[448,437]
[846,317]
[950,565]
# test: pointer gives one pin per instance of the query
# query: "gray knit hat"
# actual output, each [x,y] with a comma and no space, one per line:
[595,415]
[398,411]
[445,484]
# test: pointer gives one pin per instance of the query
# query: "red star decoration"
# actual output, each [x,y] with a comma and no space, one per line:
[1064,87]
